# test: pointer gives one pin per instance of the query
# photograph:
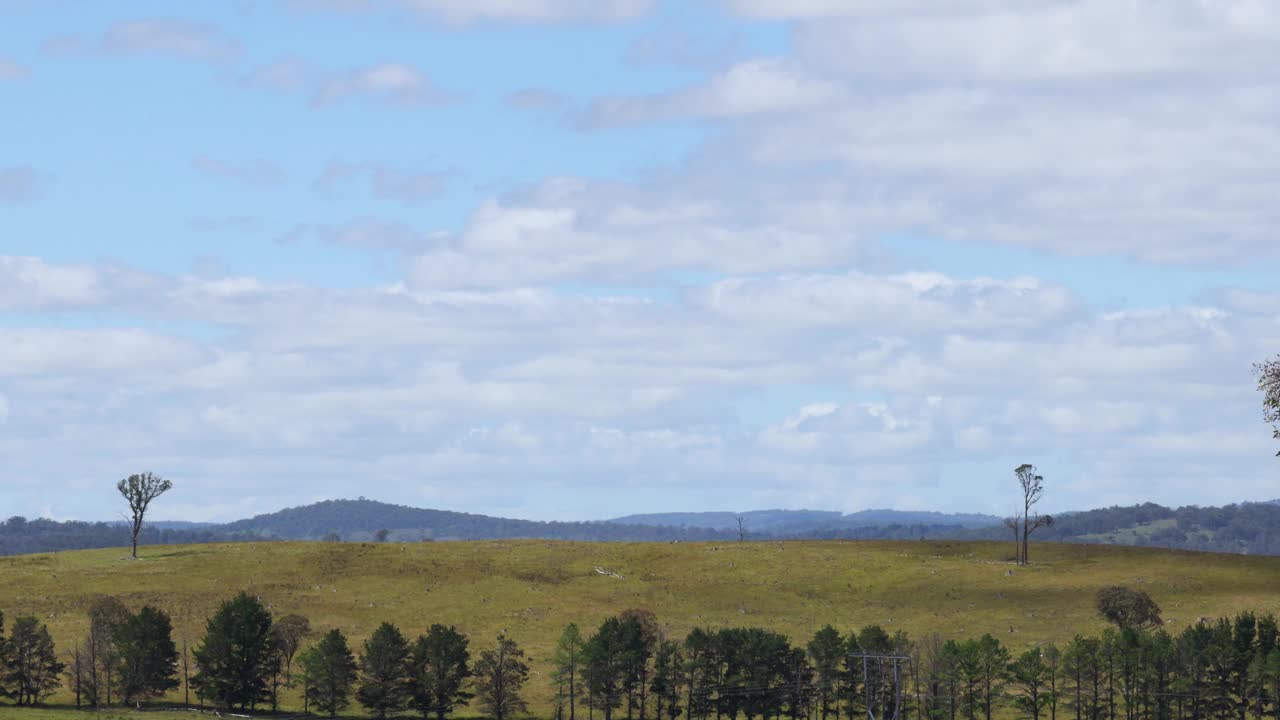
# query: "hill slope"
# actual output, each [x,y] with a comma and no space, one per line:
[360,519]
[799,522]
[533,588]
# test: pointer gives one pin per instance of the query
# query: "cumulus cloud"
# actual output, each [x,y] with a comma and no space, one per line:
[756,87]
[566,228]
[1144,130]
[911,374]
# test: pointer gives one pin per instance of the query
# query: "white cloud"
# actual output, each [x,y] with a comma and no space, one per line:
[1147,129]
[756,87]
[29,283]
[470,11]
[390,84]
[466,12]
[393,84]
[175,37]
[581,393]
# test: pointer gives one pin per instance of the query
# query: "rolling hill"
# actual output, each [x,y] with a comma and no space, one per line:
[532,588]
[1246,528]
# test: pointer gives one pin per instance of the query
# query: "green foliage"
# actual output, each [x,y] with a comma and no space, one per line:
[567,670]
[439,666]
[1127,608]
[1268,373]
[384,671]
[148,656]
[140,491]
[826,652]
[235,658]
[500,676]
[605,668]
[1029,676]
[29,666]
[329,672]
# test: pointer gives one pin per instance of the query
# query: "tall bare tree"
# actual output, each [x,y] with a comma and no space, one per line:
[1014,523]
[1268,373]
[1032,484]
[140,491]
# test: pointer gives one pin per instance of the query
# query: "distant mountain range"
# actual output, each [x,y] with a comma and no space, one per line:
[785,522]
[1245,528]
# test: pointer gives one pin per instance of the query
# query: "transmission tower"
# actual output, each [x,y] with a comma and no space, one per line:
[880,662]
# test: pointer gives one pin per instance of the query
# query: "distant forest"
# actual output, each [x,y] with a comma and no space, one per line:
[1250,528]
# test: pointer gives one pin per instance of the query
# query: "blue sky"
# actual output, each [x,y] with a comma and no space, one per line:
[569,260]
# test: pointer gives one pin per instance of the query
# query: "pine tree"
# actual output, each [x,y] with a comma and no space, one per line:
[604,667]
[235,656]
[1030,677]
[148,656]
[668,678]
[439,666]
[568,661]
[31,669]
[329,672]
[384,671]
[826,650]
[500,676]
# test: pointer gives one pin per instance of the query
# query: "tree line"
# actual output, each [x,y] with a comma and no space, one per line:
[1228,669]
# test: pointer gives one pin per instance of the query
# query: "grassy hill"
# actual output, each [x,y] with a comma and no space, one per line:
[532,589]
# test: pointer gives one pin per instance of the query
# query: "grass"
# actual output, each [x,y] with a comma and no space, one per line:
[531,589]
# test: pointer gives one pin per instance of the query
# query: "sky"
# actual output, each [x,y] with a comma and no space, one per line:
[576,259]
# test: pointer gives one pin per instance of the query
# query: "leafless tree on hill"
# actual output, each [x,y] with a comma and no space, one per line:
[1032,484]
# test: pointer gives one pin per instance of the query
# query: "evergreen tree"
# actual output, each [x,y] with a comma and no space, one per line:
[106,616]
[148,655]
[641,631]
[568,661]
[500,676]
[702,672]
[31,670]
[605,665]
[439,666]
[1029,675]
[992,660]
[384,671]
[826,650]
[668,678]
[234,659]
[329,672]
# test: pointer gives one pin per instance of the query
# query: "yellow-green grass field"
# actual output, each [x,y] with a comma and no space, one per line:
[531,589]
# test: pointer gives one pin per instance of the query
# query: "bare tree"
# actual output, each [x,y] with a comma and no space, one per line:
[1269,385]
[1032,489]
[742,528]
[140,491]
[1014,523]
